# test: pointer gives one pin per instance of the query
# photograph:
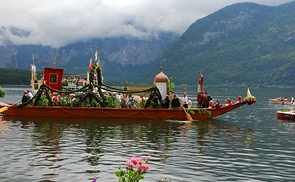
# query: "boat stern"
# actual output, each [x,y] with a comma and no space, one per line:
[286,114]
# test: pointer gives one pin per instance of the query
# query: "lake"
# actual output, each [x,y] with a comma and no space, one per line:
[247,144]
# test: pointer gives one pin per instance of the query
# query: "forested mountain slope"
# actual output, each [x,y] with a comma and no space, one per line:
[122,58]
[244,43]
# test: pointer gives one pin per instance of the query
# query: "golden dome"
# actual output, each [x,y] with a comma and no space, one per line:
[161,77]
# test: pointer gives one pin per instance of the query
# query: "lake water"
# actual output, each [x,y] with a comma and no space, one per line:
[247,144]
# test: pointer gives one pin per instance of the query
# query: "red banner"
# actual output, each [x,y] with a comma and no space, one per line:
[53,77]
[200,87]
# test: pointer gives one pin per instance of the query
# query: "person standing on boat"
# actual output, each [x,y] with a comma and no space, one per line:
[26,97]
[166,102]
[155,100]
[200,88]
[206,101]
[149,100]
[200,99]
[184,100]
[175,103]
[30,94]
[152,98]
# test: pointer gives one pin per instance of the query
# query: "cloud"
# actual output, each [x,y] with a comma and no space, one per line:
[59,22]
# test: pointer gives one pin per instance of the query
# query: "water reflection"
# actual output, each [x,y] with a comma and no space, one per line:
[248,144]
[208,150]
[52,137]
[105,144]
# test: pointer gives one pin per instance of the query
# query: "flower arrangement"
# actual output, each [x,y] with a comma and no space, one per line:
[135,168]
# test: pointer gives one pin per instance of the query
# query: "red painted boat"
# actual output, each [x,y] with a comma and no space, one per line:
[91,104]
[122,113]
[282,101]
[286,115]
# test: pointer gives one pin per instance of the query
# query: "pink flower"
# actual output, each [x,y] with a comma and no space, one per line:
[134,162]
[135,168]
[143,168]
[138,163]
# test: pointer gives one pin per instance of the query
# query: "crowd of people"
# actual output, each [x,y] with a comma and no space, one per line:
[122,100]
[204,101]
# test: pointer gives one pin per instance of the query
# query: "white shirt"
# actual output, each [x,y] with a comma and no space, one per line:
[184,100]
[30,94]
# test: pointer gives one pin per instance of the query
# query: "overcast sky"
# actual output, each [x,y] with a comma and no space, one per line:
[60,22]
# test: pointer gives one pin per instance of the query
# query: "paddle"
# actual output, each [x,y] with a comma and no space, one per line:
[3,109]
[188,116]
[6,107]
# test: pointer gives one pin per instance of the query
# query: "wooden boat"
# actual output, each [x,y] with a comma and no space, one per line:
[93,103]
[124,113]
[281,100]
[286,114]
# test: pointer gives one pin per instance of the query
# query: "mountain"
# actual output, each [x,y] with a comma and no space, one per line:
[122,58]
[243,43]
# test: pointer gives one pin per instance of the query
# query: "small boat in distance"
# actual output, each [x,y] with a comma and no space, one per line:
[288,114]
[282,101]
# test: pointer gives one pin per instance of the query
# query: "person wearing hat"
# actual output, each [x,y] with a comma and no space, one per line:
[206,99]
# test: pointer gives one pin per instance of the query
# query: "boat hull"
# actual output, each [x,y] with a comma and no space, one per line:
[282,102]
[286,115]
[115,113]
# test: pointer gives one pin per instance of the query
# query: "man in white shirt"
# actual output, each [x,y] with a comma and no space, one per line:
[184,100]
[30,94]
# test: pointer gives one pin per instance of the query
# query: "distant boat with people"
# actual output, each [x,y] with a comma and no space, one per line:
[281,100]
[95,99]
[287,114]
[222,89]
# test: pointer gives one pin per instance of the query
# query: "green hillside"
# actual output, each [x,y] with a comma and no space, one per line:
[244,43]
[14,77]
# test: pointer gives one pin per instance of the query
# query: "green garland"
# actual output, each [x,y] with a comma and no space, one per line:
[87,98]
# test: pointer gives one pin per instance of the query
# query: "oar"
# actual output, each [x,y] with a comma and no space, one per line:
[3,109]
[6,107]
[188,116]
